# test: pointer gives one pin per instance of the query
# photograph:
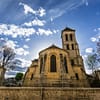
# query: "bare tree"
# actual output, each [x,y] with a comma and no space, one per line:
[7,56]
[98,51]
[93,60]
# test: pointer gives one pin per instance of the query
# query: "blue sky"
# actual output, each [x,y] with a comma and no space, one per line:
[28,26]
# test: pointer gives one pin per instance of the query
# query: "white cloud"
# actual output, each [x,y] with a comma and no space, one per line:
[19,31]
[38,22]
[41,12]
[27,9]
[55,31]
[89,50]
[27,39]
[11,44]
[46,32]
[28,24]
[21,51]
[15,31]
[97,36]
[93,39]
[25,63]
[35,22]
[43,31]
[26,46]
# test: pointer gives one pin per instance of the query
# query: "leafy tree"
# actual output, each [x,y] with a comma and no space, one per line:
[19,76]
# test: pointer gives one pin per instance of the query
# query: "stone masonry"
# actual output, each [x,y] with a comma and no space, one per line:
[34,93]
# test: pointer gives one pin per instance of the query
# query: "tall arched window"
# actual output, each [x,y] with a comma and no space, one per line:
[66,37]
[53,63]
[31,77]
[65,64]
[41,64]
[71,37]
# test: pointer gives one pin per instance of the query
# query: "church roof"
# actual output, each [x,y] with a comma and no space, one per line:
[35,60]
[53,46]
[68,29]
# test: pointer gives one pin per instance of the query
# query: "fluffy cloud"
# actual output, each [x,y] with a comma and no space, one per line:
[14,30]
[35,22]
[41,12]
[21,51]
[46,32]
[89,50]
[27,9]
[43,31]
[18,31]
[26,46]
[11,44]
[98,32]
[55,31]
[27,39]
[93,39]
[97,36]
[25,63]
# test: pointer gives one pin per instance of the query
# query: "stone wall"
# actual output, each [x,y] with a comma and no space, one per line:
[34,93]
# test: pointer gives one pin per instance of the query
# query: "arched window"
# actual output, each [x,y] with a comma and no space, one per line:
[66,37]
[53,63]
[31,77]
[72,46]
[65,64]
[71,37]
[41,64]
[77,77]
[67,46]
[72,62]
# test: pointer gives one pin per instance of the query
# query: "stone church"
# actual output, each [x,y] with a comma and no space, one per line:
[58,67]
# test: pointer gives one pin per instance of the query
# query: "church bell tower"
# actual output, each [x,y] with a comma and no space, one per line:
[70,44]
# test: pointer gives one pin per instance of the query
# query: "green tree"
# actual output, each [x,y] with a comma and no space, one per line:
[19,76]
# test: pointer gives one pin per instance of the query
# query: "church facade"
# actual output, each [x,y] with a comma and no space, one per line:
[57,67]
